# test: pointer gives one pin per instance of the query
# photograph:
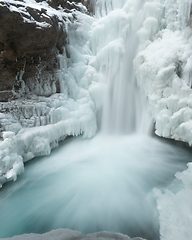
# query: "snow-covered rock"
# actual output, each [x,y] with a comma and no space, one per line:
[67,234]
[32,33]
[40,122]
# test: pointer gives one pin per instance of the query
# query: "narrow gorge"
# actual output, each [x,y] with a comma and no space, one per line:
[106,85]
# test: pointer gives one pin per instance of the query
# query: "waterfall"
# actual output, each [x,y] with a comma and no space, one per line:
[105,183]
[124,107]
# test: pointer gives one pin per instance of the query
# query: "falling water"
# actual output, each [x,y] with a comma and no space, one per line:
[125,108]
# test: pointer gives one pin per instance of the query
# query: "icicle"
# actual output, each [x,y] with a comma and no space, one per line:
[185,8]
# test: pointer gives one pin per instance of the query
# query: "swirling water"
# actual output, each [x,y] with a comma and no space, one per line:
[102,184]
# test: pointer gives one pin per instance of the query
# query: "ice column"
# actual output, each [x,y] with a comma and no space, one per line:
[185,12]
[104,7]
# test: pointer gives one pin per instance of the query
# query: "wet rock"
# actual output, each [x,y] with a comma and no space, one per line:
[30,40]
[7,94]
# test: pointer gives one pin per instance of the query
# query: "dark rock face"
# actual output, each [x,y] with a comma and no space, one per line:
[30,41]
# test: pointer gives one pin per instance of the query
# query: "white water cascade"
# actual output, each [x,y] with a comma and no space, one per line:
[104,183]
[124,109]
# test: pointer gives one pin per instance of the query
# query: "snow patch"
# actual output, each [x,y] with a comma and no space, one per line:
[67,234]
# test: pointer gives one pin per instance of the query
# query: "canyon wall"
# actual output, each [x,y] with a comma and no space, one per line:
[30,40]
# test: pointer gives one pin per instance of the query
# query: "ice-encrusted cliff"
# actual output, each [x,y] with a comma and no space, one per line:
[163,66]
[32,34]
[164,71]
[55,101]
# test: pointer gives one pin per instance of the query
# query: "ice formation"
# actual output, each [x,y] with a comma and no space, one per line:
[163,66]
[174,206]
[96,48]
[114,42]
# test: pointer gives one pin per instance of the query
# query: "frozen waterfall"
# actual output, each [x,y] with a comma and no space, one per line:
[107,182]
[109,73]
[125,109]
